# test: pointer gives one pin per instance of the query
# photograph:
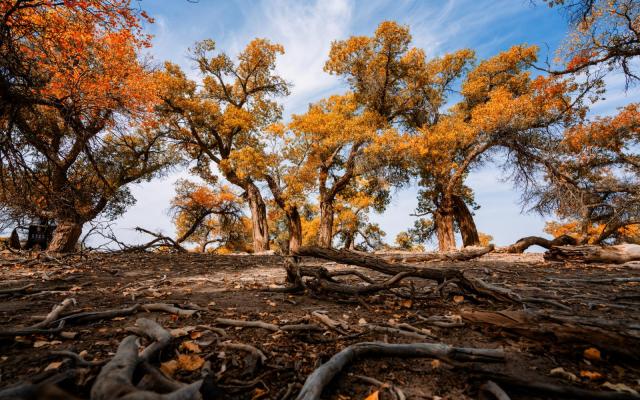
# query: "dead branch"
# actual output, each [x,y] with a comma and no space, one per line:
[18,290]
[248,324]
[618,254]
[77,358]
[246,347]
[316,382]
[523,244]
[168,309]
[55,313]
[465,254]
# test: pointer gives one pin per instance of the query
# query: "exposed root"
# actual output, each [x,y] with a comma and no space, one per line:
[246,347]
[317,381]
[248,324]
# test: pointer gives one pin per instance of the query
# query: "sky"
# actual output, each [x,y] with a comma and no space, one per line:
[306,29]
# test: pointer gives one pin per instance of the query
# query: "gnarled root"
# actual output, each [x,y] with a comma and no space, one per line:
[316,382]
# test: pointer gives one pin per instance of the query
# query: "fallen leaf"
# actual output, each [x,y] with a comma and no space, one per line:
[53,365]
[435,363]
[118,318]
[563,374]
[40,343]
[190,362]
[619,387]
[169,367]
[591,375]
[190,346]
[458,299]
[373,396]
[195,335]
[258,393]
[69,335]
[406,303]
[362,321]
[592,354]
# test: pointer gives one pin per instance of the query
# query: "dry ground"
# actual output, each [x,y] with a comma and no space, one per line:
[229,287]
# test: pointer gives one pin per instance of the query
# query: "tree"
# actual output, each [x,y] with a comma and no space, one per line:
[74,112]
[592,185]
[341,144]
[220,122]
[208,215]
[604,33]
[501,106]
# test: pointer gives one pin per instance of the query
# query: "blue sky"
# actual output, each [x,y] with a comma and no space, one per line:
[306,29]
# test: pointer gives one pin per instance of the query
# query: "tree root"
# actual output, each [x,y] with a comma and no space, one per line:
[317,381]
[115,381]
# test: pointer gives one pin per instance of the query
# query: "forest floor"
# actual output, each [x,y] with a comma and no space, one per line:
[231,287]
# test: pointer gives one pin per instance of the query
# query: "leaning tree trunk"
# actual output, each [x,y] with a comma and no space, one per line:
[465,221]
[444,228]
[65,236]
[260,227]
[295,229]
[325,234]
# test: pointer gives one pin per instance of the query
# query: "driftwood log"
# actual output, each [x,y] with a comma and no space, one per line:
[465,254]
[618,254]
[523,244]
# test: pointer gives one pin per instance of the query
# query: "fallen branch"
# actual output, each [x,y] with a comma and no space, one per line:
[247,324]
[619,254]
[523,244]
[465,254]
[22,289]
[316,382]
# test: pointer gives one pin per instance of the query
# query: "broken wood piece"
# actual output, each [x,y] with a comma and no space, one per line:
[248,324]
[55,313]
[618,254]
[168,308]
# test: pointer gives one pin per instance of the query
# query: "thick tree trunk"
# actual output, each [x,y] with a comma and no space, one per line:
[444,228]
[14,240]
[295,229]
[349,242]
[325,234]
[65,236]
[465,221]
[260,227]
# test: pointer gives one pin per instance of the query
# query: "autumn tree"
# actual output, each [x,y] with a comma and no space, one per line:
[74,112]
[207,214]
[604,33]
[219,122]
[502,107]
[342,143]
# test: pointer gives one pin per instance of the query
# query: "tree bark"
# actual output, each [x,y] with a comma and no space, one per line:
[444,229]
[618,254]
[465,221]
[295,228]
[325,234]
[260,227]
[14,240]
[65,236]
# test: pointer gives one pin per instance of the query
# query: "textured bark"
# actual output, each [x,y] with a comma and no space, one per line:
[260,227]
[66,236]
[325,234]
[444,229]
[465,221]
[523,244]
[295,228]
[619,254]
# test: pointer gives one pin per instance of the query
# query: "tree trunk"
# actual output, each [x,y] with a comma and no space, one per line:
[295,229]
[325,234]
[260,227]
[443,218]
[65,236]
[618,254]
[349,242]
[465,221]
